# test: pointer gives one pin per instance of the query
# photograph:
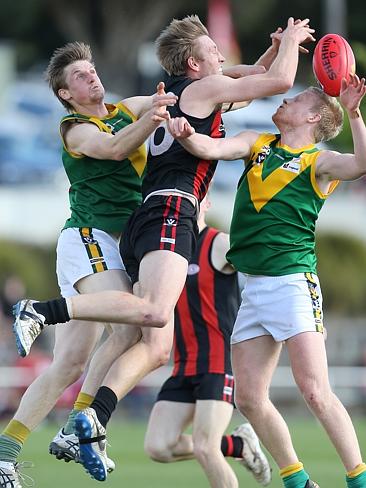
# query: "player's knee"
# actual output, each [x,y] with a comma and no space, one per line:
[160,355]
[157,451]
[160,317]
[202,449]
[316,398]
[247,403]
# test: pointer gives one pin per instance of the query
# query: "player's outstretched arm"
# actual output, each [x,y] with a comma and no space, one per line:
[206,147]
[262,65]
[140,105]
[209,91]
[86,139]
[336,166]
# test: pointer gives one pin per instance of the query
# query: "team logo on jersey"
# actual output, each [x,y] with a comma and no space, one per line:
[193,269]
[261,156]
[294,165]
[113,130]
[171,222]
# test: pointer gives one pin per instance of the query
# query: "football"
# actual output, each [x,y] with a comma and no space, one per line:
[333,60]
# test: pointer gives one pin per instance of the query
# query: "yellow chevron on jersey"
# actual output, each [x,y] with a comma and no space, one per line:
[262,190]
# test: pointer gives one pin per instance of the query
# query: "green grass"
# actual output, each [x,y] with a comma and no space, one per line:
[135,470]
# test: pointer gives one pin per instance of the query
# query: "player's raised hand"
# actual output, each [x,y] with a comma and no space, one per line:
[276,37]
[352,92]
[299,30]
[160,101]
[180,128]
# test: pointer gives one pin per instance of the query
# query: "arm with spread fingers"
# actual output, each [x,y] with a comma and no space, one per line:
[332,165]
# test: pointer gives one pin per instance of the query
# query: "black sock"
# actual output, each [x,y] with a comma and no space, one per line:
[54,311]
[104,404]
[232,446]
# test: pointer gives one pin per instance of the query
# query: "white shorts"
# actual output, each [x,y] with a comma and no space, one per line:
[280,306]
[83,252]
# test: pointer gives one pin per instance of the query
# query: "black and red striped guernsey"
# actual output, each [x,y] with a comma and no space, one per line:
[169,165]
[205,314]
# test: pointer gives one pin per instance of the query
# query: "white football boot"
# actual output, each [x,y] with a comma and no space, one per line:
[28,324]
[92,444]
[253,458]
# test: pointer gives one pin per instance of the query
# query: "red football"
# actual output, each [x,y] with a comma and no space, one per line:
[333,60]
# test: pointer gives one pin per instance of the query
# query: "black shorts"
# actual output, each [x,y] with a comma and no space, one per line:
[162,222]
[189,389]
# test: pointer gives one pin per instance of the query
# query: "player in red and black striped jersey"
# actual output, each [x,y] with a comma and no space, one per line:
[169,165]
[200,389]
[206,310]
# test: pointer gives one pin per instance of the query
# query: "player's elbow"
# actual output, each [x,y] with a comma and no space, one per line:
[360,168]
[281,84]
[284,84]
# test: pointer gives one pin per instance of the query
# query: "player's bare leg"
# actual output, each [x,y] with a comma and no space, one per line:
[69,361]
[164,439]
[210,422]
[65,444]
[162,277]
[309,364]
[254,362]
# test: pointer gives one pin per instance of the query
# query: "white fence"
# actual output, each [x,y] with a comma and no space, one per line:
[341,377]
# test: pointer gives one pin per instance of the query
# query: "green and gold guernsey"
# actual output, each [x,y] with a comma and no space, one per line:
[103,193]
[277,204]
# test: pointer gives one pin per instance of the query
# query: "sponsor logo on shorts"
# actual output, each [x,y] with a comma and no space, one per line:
[294,165]
[167,239]
[193,269]
[99,259]
[88,239]
[171,222]
[316,302]
[228,390]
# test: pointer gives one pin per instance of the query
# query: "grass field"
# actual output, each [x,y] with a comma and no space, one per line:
[135,470]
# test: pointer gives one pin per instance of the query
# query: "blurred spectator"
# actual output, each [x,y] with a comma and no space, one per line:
[12,291]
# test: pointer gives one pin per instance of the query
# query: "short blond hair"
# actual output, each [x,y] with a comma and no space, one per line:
[177,42]
[60,59]
[331,112]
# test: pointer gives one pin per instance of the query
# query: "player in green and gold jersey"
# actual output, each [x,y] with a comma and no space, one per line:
[284,186]
[104,157]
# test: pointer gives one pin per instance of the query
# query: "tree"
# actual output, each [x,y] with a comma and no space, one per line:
[115,30]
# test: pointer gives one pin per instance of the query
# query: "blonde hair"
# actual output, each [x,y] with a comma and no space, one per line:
[331,112]
[61,58]
[176,43]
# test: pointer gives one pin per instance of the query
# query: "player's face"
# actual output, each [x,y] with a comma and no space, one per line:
[208,56]
[83,83]
[295,111]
